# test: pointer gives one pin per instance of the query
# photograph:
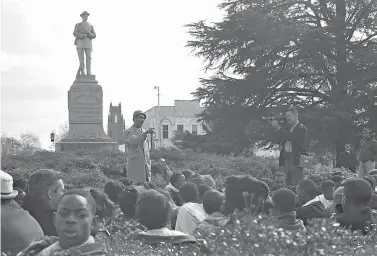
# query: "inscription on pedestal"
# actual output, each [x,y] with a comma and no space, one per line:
[85,105]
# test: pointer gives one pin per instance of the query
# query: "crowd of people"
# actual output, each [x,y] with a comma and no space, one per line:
[40,216]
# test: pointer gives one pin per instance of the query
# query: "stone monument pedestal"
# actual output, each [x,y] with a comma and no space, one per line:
[85,106]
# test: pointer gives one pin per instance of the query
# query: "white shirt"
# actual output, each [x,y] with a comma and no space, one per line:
[189,216]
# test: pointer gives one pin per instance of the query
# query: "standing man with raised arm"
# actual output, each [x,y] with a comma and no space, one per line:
[138,160]
[293,142]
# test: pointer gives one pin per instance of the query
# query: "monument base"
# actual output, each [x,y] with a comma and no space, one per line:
[85,98]
[86,146]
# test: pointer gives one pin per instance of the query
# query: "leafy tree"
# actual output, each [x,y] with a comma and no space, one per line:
[320,55]
[29,143]
[63,131]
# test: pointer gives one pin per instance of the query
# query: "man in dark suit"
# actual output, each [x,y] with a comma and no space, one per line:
[293,142]
[347,159]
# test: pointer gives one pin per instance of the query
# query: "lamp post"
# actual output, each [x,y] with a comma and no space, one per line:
[158,137]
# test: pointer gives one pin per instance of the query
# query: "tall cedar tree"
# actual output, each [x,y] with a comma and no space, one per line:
[319,54]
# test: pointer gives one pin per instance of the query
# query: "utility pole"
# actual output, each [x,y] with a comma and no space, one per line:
[158,137]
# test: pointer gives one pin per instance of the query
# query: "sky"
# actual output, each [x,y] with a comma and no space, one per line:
[139,45]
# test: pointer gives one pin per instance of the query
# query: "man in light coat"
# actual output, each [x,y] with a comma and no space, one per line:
[138,160]
[84,34]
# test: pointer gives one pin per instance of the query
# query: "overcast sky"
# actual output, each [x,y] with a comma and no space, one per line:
[139,44]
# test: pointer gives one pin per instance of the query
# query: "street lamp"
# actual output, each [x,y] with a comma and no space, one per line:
[158,115]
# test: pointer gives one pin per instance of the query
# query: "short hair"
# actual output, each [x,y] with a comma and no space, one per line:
[371,181]
[236,185]
[202,189]
[42,180]
[309,187]
[316,178]
[284,200]
[84,193]
[339,173]
[336,178]
[113,188]
[357,191]
[153,209]
[188,174]
[126,181]
[197,179]
[105,207]
[175,177]
[127,201]
[165,193]
[189,192]
[20,183]
[293,110]
[279,174]
[327,184]
[373,172]
[212,201]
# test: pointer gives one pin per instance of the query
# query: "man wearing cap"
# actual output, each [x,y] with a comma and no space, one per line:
[84,33]
[293,143]
[138,160]
[368,153]
[18,227]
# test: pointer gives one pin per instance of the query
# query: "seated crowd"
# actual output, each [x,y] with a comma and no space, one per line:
[41,217]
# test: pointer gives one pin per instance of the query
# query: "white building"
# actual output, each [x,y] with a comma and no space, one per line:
[180,117]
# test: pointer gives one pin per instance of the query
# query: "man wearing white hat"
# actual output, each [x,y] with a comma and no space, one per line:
[18,227]
[138,161]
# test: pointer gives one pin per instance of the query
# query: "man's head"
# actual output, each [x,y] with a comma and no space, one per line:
[371,181]
[327,188]
[189,192]
[138,118]
[279,180]
[317,180]
[126,181]
[127,201]
[20,183]
[202,189]
[153,210]
[177,179]
[356,195]
[306,191]
[75,217]
[20,197]
[347,147]
[235,186]
[46,184]
[188,174]
[113,188]
[105,207]
[84,15]
[292,115]
[284,200]
[212,201]
[366,133]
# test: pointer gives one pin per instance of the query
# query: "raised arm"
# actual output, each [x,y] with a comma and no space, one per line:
[133,138]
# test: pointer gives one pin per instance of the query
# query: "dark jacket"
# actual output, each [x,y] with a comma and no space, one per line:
[288,221]
[45,217]
[368,150]
[175,196]
[298,139]
[363,223]
[311,211]
[18,228]
[347,160]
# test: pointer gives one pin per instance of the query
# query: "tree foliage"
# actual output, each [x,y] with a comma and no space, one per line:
[320,55]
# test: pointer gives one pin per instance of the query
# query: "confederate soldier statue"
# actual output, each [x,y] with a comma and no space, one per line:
[293,140]
[84,33]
